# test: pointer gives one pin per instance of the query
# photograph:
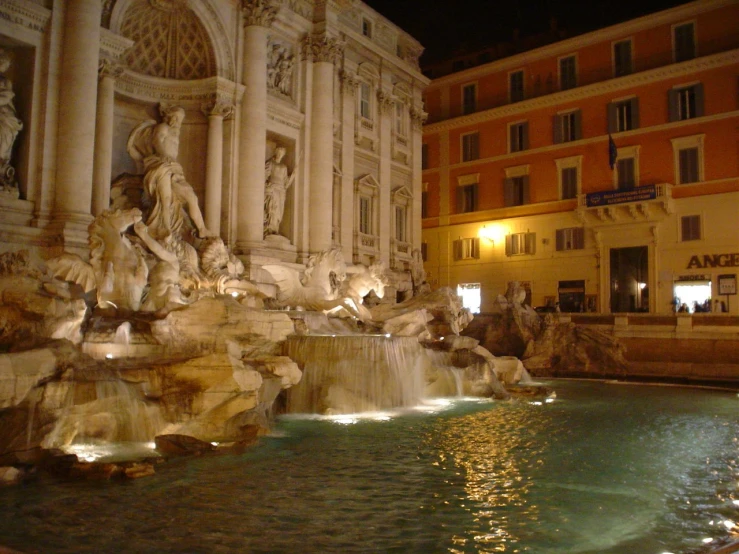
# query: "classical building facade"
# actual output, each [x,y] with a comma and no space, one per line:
[602,170]
[332,86]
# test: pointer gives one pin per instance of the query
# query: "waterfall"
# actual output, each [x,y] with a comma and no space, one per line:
[444,379]
[356,373]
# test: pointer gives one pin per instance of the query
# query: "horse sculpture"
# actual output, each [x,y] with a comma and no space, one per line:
[360,283]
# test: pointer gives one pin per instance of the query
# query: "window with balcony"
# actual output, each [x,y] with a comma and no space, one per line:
[572,238]
[626,171]
[365,215]
[516,86]
[683,39]
[685,102]
[401,223]
[622,58]
[467,249]
[401,119]
[365,100]
[567,126]
[690,228]
[520,243]
[567,73]
[623,115]
[518,136]
[470,147]
[469,98]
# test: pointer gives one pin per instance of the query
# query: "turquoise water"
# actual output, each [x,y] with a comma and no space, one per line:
[604,468]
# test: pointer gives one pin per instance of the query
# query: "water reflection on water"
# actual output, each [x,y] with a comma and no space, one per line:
[604,469]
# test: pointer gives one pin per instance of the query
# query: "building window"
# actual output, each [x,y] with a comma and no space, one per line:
[401,127]
[515,86]
[567,73]
[622,58]
[469,98]
[567,126]
[467,198]
[367,28]
[572,238]
[623,115]
[365,101]
[688,152]
[516,190]
[424,204]
[470,147]
[626,171]
[424,251]
[467,249]
[518,136]
[686,102]
[424,156]
[520,243]
[365,215]
[690,227]
[470,295]
[400,223]
[569,182]
[683,37]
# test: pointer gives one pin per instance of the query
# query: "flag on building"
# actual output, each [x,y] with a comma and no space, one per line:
[612,152]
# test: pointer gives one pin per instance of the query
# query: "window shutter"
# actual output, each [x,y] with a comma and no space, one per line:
[474,195]
[460,199]
[475,248]
[634,113]
[560,239]
[531,243]
[508,199]
[508,244]
[525,140]
[557,128]
[578,238]
[612,117]
[672,104]
[698,90]
[578,124]
[525,185]
[457,244]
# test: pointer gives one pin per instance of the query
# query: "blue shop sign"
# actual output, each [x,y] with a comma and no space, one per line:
[607,198]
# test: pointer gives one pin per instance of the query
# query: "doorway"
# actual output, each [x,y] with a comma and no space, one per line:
[629,279]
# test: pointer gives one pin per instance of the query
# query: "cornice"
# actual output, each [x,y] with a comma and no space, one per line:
[279,114]
[567,46]
[25,14]
[113,45]
[603,87]
[196,92]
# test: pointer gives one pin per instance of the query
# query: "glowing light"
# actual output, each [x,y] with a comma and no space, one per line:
[642,286]
[234,294]
[492,232]
[707,540]
[109,356]
[214,443]
[735,502]
[387,335]
[537,403]
[728,524]
[345,420]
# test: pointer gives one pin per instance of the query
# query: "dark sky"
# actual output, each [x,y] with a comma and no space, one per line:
[443,26]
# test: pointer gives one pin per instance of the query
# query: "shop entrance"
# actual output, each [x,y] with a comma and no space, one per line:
[571,296]
[692,296]
[629,279]
[470,294]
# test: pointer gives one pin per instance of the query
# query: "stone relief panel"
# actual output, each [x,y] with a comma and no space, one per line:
[10,126]
[170,40]
[281,69]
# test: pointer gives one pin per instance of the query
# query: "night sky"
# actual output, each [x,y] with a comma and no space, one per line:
[445,26]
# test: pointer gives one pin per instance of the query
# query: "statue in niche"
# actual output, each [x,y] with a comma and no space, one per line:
[278,180]
[157,146]
[10,126]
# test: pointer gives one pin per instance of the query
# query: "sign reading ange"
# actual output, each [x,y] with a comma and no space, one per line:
[608,198]
[714,260]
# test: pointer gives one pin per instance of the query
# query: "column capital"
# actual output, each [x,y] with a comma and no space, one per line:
[384,101]
[109,68]
[349,82]
[321,48]
[217,107]
[258,12]
[418,117]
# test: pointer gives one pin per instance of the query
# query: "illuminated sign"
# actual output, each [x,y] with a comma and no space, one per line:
[714,260]
[607,198]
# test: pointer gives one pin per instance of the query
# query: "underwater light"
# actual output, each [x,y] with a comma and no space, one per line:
[109,356]
[706,540]
[234,294]
[728,524]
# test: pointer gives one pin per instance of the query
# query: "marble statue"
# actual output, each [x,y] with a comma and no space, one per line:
[10,126]
[156,145]
[278,180]
[280,70]
[361,281]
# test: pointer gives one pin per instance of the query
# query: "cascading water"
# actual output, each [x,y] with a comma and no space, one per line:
[356,373]
[444,378]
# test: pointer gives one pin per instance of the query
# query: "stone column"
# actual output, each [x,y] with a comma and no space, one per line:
[349,84]
[325,50]
[76,131]
[418,116]
[258,17]
[215,111]
[108,72]
[385,108]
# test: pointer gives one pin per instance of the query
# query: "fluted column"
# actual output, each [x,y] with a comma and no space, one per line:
[349,84]
[418,116]
[108,72]
[324,50]
[216,111]
[258,17]
[77,107]
[385,108]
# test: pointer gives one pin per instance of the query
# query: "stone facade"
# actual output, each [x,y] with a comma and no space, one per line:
[333,83]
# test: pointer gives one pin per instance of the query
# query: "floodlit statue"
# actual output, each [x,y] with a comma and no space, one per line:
[157,146]
[278,180]
[10,126]
[280,69]
[360,283]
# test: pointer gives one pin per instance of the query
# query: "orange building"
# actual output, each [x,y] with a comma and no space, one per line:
[601,171]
